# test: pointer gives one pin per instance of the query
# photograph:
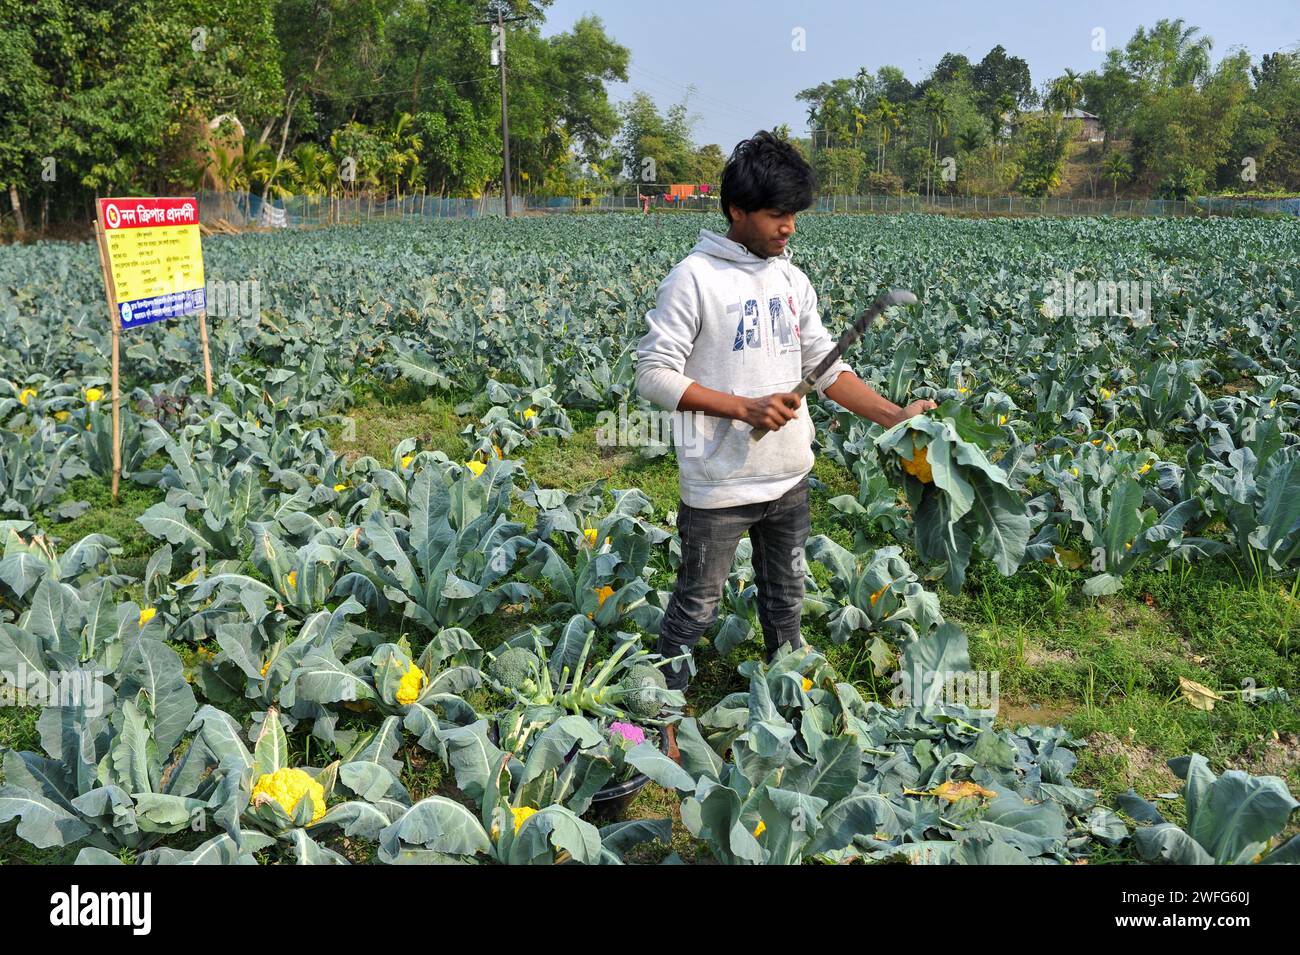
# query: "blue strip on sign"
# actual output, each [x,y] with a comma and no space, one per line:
[172,305]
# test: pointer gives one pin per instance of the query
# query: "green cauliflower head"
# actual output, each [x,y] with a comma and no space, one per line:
[516,668]
[638,685]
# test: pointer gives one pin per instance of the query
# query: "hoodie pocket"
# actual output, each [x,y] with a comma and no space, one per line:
[731,454]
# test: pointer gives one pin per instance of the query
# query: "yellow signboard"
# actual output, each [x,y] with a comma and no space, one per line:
[155,258]
[152,261]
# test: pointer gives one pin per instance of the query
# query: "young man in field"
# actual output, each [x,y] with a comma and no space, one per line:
[734,328]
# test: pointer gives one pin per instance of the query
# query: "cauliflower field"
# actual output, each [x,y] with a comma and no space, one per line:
[391,595]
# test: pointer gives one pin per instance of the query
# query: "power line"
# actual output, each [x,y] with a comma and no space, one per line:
[537,79]
[656,80]
[692,89]
[395,90]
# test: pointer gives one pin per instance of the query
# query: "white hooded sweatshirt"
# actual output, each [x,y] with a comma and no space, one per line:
[737,323]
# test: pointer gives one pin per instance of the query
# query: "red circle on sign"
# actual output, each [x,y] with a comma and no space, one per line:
[111,214]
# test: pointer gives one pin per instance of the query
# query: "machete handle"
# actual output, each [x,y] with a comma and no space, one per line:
[851,335]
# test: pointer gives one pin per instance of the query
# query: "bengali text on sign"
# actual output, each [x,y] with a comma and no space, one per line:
[154,256]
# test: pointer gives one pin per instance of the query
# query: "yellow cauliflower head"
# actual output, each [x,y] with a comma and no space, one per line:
[919,466]
[413,683]
[288,787]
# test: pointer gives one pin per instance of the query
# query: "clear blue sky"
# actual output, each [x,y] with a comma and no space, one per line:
[738,52]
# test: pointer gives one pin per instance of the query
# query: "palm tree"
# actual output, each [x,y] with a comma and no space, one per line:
[1066,92]
[861,81]
[404,146]
[1006,111]
[860,121]
[262,167]
[1193,62]
[969,141]
[251,163]
[835,123]
[277,177]
[1171,55]
[938,112]
[227,169]
[1115,167]
[315,169]
[887,116]
[415,175]
[336,155]
[225,166]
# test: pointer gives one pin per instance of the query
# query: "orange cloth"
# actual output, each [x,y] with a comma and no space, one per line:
[681,190]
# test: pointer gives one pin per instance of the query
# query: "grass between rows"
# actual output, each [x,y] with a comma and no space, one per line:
[1107,669]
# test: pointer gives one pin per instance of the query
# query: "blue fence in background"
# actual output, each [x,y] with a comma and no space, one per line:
[1216,204]
[242,209]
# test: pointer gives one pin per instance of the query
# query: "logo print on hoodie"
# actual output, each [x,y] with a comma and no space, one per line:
[748,330]
[785,335]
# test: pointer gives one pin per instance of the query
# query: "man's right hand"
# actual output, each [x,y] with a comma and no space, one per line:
[771,411]
[920,406]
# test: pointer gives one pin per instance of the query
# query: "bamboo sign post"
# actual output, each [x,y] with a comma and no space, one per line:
[152,260]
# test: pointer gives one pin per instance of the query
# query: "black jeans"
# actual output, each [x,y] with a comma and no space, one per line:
[778,531]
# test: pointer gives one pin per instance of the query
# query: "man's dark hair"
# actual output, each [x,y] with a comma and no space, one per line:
[765,172]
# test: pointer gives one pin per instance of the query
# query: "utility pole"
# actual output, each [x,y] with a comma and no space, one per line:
[499,58]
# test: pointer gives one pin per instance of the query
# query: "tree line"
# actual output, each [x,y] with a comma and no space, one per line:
[302,96]
[394,97]
[1170,123]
